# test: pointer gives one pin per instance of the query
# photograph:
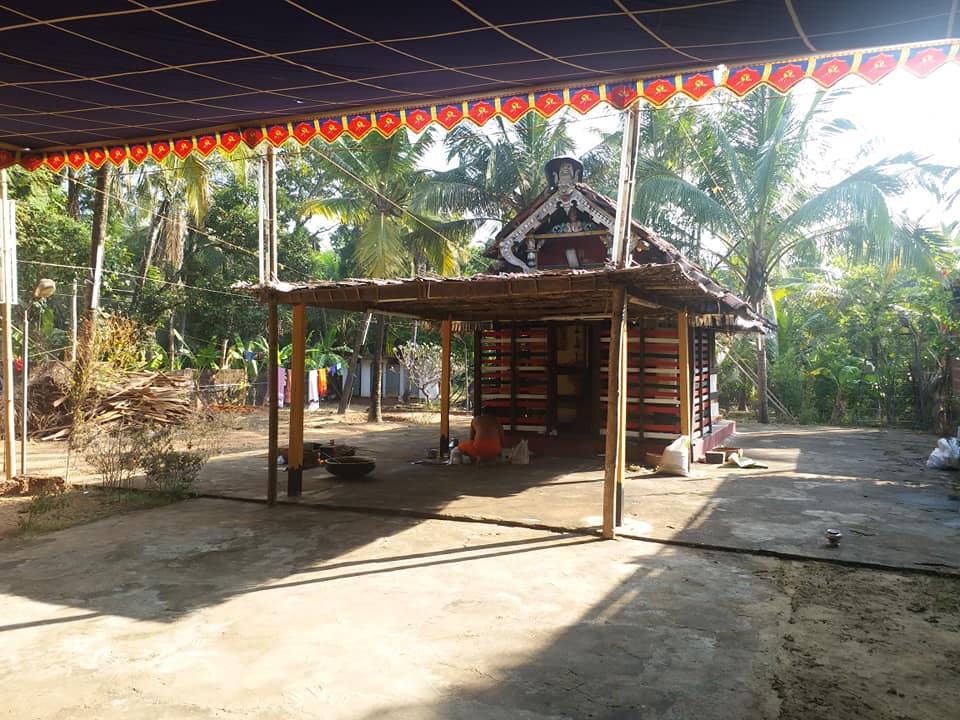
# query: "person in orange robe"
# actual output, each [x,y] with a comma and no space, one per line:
[486,438]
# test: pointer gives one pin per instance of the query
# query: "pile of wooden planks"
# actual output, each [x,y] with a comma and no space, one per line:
[136,399]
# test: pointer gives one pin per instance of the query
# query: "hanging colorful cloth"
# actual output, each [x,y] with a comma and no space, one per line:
[312,396]
[322,382]
[281,386]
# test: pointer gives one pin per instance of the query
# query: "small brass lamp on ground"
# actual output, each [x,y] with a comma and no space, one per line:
[44,288]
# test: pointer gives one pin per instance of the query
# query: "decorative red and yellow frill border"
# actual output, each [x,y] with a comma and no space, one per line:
[826,71]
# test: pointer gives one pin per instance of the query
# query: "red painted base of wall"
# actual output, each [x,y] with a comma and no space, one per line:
[723,430]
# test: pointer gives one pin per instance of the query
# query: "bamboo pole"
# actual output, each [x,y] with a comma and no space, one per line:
[73,321]
[9,429]
[25,389]
[262,212]
[271,199]
[297,384]
[272,387]
[616,444]
[628,170]
[445,341]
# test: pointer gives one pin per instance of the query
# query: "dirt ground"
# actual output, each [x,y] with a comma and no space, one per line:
[458,616]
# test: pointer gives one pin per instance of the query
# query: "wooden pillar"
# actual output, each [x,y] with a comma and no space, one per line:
[514,375]
[445,330]
[622,393]
[684,381]
[616,443]
[297,384]
[272,387]
[616,421]
[477,371]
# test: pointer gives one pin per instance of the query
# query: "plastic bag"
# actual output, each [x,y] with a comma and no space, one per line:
[945,456]
[676,457]
[520,454]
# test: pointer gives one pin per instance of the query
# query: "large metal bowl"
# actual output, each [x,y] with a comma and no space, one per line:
[350,467]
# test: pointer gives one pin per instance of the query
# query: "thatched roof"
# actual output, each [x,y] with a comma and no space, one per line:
[654,289]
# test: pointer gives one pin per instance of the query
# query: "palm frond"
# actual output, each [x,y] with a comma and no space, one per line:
[379,251]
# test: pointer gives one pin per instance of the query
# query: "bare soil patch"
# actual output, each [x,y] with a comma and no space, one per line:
[861,644]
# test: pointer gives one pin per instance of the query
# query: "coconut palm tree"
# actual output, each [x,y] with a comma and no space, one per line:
[499,169]
[382,193]
[178,194]
[752,189]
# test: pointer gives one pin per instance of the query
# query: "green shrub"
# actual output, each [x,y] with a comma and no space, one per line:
[170,456]
[172,471]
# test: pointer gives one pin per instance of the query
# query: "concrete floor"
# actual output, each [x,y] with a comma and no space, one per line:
[214,608]
[871,484]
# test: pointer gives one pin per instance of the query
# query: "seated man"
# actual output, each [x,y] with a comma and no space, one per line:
[486,439]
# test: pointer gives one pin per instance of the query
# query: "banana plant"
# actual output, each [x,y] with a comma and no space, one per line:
[324,352]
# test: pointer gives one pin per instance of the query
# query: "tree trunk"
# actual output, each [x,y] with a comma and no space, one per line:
[159,218]
[916,371]
[73,193]
[375,413]
[88,330]
[763,410]
[839,406]
[359,340]
[98,239]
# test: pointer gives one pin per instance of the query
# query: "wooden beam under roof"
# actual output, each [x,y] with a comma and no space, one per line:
[671,287]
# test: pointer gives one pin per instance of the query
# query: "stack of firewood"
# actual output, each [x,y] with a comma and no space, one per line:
[133,399]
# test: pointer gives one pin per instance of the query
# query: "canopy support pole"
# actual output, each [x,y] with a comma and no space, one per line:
[295,435]
[9,428]
[272,387]
[616,444]
[445,330]
[273,331]
[271,198]
[262,219]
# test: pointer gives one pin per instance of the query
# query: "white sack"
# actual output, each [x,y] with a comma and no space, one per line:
[676,457]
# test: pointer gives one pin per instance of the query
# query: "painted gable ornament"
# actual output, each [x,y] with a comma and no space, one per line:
[563,174]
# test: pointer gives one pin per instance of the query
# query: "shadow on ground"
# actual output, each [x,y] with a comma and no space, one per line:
[436,597]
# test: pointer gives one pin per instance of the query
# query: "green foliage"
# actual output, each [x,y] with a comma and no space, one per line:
[864,326]
[325,351]
[175,454]
[499,174]
[171,456]
[396,225]
[864,346]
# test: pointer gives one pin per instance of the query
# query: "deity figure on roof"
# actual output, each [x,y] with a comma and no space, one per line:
[563,173]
